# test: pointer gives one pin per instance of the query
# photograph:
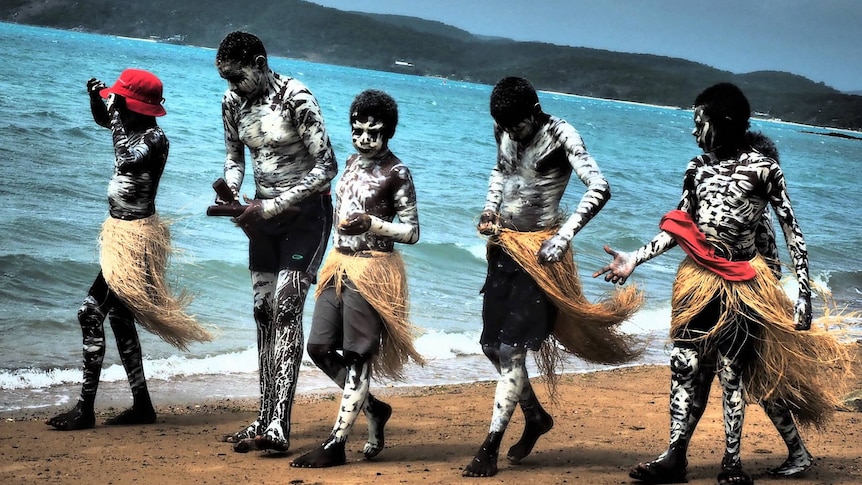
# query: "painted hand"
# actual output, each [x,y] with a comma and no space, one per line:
[620,268]
[552,250]
[488,223]
[802,313]
[252,214]
[355,224]
[94,86]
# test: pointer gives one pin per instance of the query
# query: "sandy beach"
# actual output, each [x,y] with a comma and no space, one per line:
[605,422]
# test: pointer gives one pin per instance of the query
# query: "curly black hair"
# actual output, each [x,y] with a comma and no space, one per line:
[378,105]
[727,107]
[240,46]
[513,100]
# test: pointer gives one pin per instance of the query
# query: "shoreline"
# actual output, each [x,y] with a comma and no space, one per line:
[605,422]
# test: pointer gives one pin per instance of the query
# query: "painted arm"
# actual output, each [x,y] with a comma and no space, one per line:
[97,105]
[596,196]
[406,230]
[780,201]
[489,219]
[234,161]
[309,124]
[765,242]
[624,263]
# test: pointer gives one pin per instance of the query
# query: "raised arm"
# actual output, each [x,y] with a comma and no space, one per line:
[97,105]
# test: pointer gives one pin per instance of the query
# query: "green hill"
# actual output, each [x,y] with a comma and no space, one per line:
[302,30]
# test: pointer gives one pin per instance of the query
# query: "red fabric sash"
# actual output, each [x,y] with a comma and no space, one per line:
[692,240]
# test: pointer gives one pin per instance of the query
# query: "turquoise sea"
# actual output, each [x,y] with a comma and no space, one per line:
[56,162]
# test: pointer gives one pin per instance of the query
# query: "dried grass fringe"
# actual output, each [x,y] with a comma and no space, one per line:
[584,329]
[381,279]
[134,258]
[807,370]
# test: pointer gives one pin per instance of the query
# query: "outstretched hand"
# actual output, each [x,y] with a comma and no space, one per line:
[552,250]
[252,214]
[620,268]
[355,224]
[802,313]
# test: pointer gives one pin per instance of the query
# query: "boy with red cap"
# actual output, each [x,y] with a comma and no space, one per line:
[135,245]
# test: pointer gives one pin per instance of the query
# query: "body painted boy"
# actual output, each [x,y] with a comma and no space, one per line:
[135,247]
[361,307]
[727,299]
[537,155]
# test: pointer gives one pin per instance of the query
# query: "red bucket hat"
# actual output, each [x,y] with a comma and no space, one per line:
[142,90]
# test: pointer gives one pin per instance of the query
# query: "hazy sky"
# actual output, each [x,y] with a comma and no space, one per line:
[818,39]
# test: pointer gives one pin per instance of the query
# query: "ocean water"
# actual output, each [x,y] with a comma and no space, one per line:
[56,164]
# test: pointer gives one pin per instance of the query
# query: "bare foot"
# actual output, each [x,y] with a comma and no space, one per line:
[533,429]
[247,433]
[734,477]
[377,418]
[793,466]
[133,416]
[244,445]
[77,418]
[661,470]
[269,441]
[326,455]
[484,463]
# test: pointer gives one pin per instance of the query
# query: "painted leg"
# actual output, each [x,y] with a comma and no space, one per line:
[537,422]
[331,452]
[129,345]
[287,342]
[263,289]
[798,458]
[670,466]
[510,388]
[377,412]
[733,405]
[91,317]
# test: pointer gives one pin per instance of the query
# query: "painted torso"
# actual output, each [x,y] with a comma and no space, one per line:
[382,188]
[138,165]
[529,180]
[284,132]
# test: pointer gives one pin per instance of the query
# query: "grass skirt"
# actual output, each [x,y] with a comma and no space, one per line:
[585,329]
[381,279]
[134,257]
[806,370]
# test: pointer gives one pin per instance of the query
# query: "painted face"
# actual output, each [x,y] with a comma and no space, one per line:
[704,131]
[368,137]
[243,80]
[522,131]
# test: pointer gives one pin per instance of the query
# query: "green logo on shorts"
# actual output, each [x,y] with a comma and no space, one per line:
[297,257]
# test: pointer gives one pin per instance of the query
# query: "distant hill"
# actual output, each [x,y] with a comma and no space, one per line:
[303,30]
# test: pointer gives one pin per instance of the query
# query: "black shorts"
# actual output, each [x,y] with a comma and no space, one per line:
[515,310]
[347,323]
[294,241]
[735,340]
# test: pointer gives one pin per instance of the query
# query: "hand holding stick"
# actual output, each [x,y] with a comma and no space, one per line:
[227,203]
